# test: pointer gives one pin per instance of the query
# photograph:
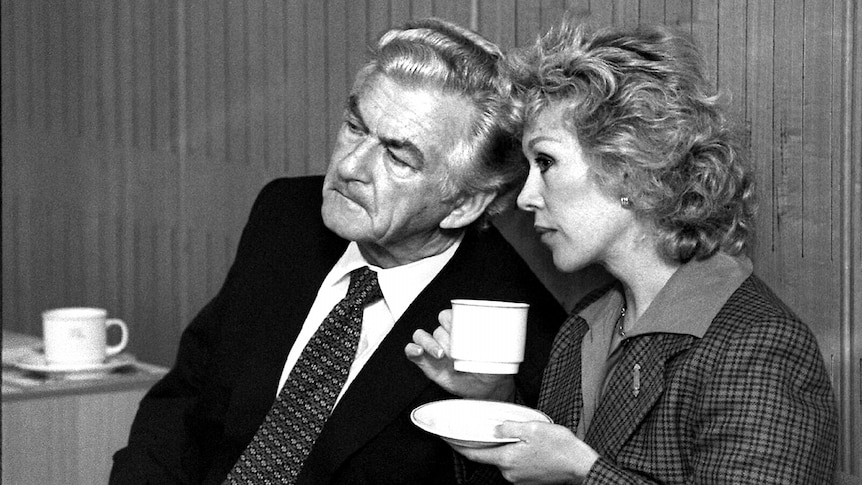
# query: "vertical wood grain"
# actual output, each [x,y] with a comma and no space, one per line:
[9,57]
[528,22]
[317,125]
[550,13]
[732,49]
[137,133]
[74,446]
[759,106]
[454,10]
[399,11]
[296,156]
[195,89]
[357,43]
[273,96]
[849,152]
[338,81]
[497,21]
[255,77]
[787,149]
[818,251]
[627,12]
[652,11]
[705,33]
[602,12]
[678,13]
[236,58]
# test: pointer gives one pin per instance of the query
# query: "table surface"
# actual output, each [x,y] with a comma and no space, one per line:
[19,384]
[58,429]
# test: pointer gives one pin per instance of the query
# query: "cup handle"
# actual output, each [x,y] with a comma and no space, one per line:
[124,336]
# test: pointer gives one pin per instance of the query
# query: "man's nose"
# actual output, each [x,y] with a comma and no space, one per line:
[358,160]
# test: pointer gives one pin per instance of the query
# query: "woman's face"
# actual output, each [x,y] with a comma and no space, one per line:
[573,216]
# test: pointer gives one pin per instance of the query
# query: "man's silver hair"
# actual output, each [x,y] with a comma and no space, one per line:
[433,53]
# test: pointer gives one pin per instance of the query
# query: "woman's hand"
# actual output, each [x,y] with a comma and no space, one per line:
[547,453]
[431,354]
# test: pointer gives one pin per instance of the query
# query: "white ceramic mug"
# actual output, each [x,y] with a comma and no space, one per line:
[79,335]
[488,336]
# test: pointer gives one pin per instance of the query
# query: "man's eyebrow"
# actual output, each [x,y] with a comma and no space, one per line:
[407,145]
[353,108]
[395,143]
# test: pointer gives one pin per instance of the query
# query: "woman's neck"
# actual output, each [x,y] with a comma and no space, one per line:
[643,273]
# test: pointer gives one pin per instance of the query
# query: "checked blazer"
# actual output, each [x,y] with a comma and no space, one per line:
[749,403]
[192,425]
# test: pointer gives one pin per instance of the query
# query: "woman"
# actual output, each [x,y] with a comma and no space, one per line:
[687,369]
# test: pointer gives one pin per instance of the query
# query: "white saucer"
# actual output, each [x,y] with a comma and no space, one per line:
[35,362]
[470,422]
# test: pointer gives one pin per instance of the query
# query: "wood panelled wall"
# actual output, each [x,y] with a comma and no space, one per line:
[136,134]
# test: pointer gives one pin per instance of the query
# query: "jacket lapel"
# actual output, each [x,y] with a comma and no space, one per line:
[561,397]
[389,384]
[634,388]
[277,299]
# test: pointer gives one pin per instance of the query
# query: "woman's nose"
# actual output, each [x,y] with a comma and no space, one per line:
[529,199]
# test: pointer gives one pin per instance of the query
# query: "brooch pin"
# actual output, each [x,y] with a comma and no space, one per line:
[636,380]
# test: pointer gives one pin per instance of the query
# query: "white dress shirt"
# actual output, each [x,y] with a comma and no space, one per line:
[400,286]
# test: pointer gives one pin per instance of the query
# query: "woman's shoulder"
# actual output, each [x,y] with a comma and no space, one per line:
[754,318]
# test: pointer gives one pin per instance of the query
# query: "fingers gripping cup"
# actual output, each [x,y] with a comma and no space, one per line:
[79,335]
[488,337]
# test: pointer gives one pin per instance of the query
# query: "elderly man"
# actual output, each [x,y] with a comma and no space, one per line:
[295,371]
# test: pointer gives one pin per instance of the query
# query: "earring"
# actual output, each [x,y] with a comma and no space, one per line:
[625,202]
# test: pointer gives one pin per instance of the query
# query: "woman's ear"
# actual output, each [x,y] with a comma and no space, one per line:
[468,210]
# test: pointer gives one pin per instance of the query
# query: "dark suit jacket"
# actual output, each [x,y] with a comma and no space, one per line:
[192,426]
[749,403]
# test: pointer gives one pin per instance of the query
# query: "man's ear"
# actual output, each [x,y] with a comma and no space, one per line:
[467,210]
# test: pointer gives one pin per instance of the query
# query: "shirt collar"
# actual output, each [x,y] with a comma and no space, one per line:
[400,285]
[687,303]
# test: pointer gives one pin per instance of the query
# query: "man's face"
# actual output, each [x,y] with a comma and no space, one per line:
[384,187]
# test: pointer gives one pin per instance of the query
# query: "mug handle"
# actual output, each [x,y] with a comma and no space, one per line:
[124,336]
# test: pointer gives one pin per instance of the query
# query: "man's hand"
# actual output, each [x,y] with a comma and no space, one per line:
[431,354]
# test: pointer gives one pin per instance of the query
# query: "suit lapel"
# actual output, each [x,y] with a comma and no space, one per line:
[389,384]
[561,397]
[634,388]
[280,296]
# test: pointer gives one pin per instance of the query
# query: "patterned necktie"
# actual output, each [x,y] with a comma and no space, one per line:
[289,430]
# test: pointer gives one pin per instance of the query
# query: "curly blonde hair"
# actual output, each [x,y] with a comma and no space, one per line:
[651,125]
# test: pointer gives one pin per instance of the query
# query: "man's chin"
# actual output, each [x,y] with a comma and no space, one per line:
[344,221]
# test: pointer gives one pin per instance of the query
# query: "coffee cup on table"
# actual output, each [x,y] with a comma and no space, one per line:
[488,337]
[79,335]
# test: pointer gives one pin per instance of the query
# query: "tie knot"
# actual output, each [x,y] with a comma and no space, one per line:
[364,288]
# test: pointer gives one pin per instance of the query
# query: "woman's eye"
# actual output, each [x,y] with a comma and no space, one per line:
[543,162]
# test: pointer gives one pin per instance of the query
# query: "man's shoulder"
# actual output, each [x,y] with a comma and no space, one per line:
[286,213]
[289,197]
[487,244]
[293,187]
[495,270]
